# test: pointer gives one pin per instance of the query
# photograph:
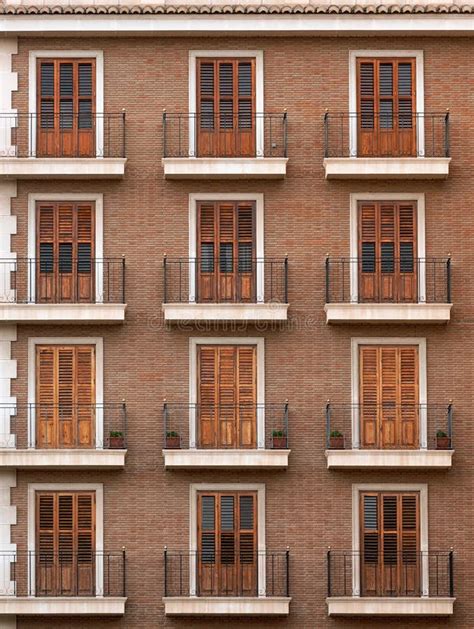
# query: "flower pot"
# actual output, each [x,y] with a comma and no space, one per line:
[173,443]
[117,443]
[336,443]
[279,443]
[443,443]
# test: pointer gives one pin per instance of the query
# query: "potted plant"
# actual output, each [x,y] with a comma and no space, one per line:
[443,442]
[173,440]
[336,440]
[279,439]
[116,440]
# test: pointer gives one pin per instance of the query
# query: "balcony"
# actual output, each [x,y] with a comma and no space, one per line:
[62,290]
[256,436]
[411,290]
[225,290]
[62,146]
[187,577]
[386,146]
[79,436]
[408,584]
[224,146]
[62,584]
[349,446]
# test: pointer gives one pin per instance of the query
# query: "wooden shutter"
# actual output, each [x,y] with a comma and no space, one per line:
[390,549]
[386,107]
[227,552]
[387,250]
[65,396]
[66,108]
[389,396]
[226,107]
[227,396]
[65,543]
[65,237]
[226,242]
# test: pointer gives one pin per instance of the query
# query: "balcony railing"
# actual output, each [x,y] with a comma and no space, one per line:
[182,572]
[209,280]
[388,280]
[63,135]
[62,280]
[224,135]
[73,426]
[401,134]
[200,426]
[67,573]
[404,574]
[341,419]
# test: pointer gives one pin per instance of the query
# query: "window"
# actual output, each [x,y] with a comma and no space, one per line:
[65,252]
[65,543]
[66,108]
[227,390]
[389,412]
[65,396]
[387,250]
[227,543]
[226,242]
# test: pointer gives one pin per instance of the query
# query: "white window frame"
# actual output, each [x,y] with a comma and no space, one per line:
[98,55]
[99,379]
[193,525]
[98,200]
[419,199]
[420,92]
[194,342]
[259,91]
[99,527]
[422,376]
[258,199]
[422,489]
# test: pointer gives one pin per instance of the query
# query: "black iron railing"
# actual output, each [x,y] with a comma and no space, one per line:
[405,573]
[388,280]
[225,280]
[67,573]
[225,135]
[70,134]
[369,418]
[62,280]
[349,134]
[242,420]
[182,574]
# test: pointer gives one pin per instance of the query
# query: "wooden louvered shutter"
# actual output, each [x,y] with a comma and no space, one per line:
[227,395]
[208,396]
[386,107]
[368,263]
[409,422]
[46,545]
[207,275]
[369,396]
[246,396]
[226,107]
[207,545]
[248,544]
[407,252]
[227,253]
[85,544]
[246,260]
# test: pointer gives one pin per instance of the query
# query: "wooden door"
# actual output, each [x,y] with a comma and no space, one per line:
[65,264]
[225,122]
[66,108]
[387,247]
[389,396]
[65,544]
[390,544]
[227,544]
[65,396]
[227,389]
[226,245]
[386,107]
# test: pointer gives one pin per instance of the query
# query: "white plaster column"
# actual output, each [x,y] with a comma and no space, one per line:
[9,84]
[7,549]
[7,373]
[7,228]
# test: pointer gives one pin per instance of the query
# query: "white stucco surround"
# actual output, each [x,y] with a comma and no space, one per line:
[423,491]
[420,94]
[8,227]
[423,393]
[99,377]
[9,84]
[193,525]
[419,199]
[258,199]
[193,380]
[259,90]
[99,526]
[98,55]
[98,200]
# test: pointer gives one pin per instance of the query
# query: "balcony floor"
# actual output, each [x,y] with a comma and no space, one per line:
[62,606]
[226,606]
[62,167]
[378,606]
[389,459]
[226,459]
[387,167]
[387,313]
[224,167]
[225,312]
[62,313]
[62,459]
